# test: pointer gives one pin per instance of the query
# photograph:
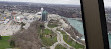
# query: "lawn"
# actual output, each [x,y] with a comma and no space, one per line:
[71,42]
[4,42]
[48,37]
[49,41]
[47,31]
[52,25]
[59,47]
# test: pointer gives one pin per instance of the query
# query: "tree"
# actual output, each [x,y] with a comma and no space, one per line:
[0,37]
[28,38]
[12,43]
[42,26]
[22,24]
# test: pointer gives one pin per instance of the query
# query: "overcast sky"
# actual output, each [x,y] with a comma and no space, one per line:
[74,2]
[107,3]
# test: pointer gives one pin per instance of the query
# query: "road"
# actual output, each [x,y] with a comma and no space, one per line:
[73,38]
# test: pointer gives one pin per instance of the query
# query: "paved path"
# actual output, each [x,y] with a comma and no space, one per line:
[72,38]
[59,37]
[54,45]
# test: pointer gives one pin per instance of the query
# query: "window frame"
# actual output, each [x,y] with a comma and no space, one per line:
[94,23]
[103,24]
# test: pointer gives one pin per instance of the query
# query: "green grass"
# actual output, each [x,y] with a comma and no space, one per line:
[59,47]
[63,32]
[52,25]
[47,31]
[71,42]
[4,42]
[50,40]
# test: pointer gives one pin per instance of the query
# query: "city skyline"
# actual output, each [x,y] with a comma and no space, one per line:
[107,3]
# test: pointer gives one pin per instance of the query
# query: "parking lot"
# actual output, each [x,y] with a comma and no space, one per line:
[7,29]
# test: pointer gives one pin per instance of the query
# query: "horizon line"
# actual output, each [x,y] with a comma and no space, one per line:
[40,3]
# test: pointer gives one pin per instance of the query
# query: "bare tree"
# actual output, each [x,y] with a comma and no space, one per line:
[28,39]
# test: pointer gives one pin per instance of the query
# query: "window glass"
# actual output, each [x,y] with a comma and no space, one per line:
[107,4]
[41,24]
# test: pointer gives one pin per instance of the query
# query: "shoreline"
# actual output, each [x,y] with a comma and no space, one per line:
[72,27]
[74,32]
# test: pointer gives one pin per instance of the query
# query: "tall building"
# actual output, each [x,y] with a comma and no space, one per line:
[42,9]
[44,15]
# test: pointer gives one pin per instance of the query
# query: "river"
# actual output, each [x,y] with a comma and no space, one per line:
[109,36]
[79,27]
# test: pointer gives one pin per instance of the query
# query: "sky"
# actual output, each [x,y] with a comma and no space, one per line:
[107,3]
[74,2]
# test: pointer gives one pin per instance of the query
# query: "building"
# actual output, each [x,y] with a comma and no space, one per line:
[19,18]
[6,21]
[42,9]
[44,15]
[38,15]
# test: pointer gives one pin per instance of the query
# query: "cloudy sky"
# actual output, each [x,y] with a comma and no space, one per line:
[107,3]
[76,2]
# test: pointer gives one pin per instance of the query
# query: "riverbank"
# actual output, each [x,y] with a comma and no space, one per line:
[73,31]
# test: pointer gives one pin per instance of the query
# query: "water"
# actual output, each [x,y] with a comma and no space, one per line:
[109,36]
[77,25]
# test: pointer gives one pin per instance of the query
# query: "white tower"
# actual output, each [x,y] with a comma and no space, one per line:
[42,9]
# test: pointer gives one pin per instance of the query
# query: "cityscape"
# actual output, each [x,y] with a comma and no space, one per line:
[108,18]
[26,25]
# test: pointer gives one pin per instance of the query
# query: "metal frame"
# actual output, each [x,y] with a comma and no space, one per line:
[103,24]
[94,24]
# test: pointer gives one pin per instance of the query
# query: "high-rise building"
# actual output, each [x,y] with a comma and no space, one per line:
[44,15]
[42,9]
